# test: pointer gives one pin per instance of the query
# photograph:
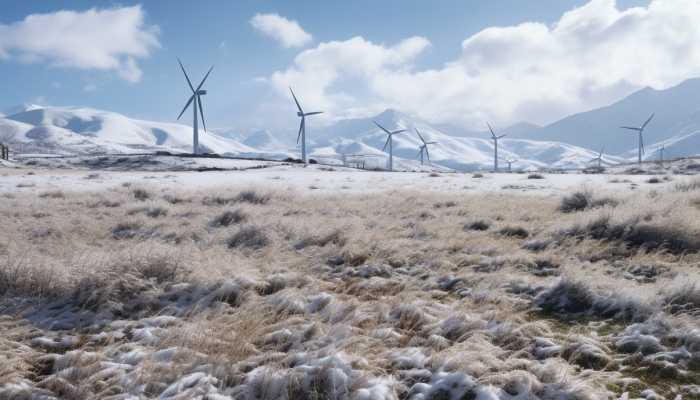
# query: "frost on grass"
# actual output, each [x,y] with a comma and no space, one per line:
[352,297]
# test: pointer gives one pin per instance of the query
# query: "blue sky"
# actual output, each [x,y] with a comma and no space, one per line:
[463,62]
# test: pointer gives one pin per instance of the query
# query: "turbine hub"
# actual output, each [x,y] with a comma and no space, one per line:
[200,92]
[300,114]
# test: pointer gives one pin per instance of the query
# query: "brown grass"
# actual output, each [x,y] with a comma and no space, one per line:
[280,279]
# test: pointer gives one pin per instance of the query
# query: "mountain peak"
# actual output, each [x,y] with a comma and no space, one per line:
[19,108]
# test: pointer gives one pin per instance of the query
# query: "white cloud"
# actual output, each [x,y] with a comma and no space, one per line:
[287,32]
[56,85]
[105,40]
[593,56]
[317,69]
[90,87]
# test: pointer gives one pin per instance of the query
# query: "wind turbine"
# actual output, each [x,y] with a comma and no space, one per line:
[661,150]
[641,141]
[495,149]
[390,142]
[599,158]
[510,162]
[197,101]
[302,127]
[423,147]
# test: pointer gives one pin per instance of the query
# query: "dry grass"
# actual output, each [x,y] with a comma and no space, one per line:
[286,295]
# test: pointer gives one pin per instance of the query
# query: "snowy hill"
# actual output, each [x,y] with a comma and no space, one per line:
[103,131]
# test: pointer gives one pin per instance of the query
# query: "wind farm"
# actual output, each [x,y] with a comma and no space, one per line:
[467,218]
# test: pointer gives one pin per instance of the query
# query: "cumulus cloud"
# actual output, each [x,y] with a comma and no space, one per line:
[107,40]
[594,55]
[316,69]
[287,32]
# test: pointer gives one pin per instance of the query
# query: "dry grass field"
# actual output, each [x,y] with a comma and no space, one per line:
[256,292]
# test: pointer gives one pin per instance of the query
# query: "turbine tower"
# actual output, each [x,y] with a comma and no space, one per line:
[495,148]
[302,127]
[641,140]
[661,150]
[423,147]
[510,162]
[390,142]
[197,102]
[599,158]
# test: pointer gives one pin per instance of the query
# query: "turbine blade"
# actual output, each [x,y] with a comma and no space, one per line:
[641,141]
[395,132]
[186,105]
[601,152]
[492,134]
[295,100]
[301,125]
[313,113]
[427,154]
[419,153]
[502,136]
[421,137]
[645,124]
[629,127]
[205,77]
[382,128]
[431,143]
[387,142]
[199,100]
[186,77]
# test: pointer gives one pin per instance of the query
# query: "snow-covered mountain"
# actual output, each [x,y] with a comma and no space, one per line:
[674,109]
[80,130]
[60,129]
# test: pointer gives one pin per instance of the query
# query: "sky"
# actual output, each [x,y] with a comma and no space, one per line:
[465,62]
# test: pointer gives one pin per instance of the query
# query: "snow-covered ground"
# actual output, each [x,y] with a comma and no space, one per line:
[71,174]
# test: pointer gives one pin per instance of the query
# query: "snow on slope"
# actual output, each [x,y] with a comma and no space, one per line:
[683,140]
[18,109]
[116,129]
[601,127]
[53,140]
[102,131]
[460,153]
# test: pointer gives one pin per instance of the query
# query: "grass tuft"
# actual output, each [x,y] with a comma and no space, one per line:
[478,225]
[229,218]
[251,236]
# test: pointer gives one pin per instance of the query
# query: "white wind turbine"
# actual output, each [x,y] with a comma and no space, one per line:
[390,142]
[302,127]
[197,102]
[661,150]
[599,158]
[510,163]
[423,147]
[641,140]
[495,148]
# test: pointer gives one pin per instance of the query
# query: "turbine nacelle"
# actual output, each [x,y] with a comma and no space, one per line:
[200,92]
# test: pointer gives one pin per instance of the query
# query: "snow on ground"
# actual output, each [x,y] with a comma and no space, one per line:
[77,174]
